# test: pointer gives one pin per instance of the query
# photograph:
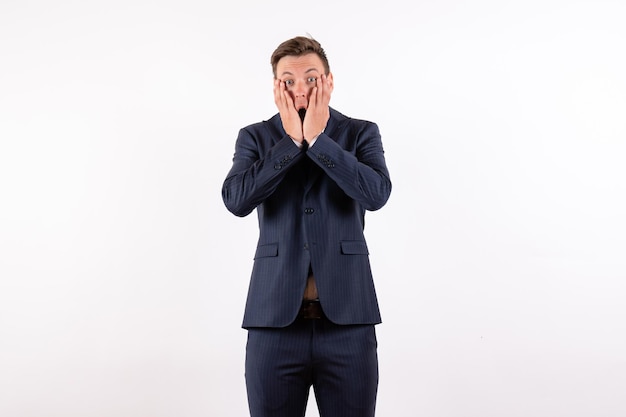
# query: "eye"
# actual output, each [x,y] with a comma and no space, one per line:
[312,79]
[288,83]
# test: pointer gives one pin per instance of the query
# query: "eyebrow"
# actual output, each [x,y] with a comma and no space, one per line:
[306,72]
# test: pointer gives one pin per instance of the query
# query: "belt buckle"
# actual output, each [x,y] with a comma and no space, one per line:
[311,309]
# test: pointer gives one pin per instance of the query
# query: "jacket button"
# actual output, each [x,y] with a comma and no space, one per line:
[309,210]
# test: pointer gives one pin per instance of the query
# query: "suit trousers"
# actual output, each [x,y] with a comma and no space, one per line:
[340,362]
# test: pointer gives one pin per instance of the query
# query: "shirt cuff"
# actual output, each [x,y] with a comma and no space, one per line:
[310,142]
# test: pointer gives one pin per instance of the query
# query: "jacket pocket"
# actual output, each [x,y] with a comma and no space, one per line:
[354,247]
[264,251]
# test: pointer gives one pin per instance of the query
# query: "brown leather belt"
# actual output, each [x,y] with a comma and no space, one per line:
[311,309]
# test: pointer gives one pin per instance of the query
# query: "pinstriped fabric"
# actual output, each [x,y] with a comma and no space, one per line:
[339,362]
[311,206]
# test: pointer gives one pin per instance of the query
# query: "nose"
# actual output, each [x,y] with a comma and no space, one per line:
[299,89]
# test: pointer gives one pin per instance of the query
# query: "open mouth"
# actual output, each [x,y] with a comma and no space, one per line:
[302,112]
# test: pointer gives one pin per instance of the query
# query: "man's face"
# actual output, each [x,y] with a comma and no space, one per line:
[300,74]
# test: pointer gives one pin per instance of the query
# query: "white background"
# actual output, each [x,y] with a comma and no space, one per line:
[499,258]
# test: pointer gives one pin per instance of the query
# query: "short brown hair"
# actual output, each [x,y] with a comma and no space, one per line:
[298,46]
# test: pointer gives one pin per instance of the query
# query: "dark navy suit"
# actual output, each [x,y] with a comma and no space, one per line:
[311,205]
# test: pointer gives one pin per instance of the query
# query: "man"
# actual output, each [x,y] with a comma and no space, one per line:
[311,173]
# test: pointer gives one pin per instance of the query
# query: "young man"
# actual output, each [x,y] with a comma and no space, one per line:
[311,173]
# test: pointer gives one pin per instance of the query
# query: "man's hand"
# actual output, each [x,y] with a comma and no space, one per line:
[318,112]
[288,114]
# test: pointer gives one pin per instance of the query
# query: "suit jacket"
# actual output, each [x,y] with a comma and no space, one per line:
[311,207]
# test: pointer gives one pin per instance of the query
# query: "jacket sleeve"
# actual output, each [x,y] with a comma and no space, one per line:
[361,172]
[256,171]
